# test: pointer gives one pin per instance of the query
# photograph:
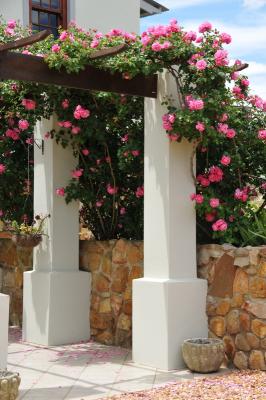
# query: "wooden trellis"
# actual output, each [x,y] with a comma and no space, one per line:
[23,67]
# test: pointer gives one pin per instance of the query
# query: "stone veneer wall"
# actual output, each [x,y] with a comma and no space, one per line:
[236,302]
[113,264]
[13,261]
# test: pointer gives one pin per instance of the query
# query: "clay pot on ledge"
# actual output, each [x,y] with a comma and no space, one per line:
[203,355]
[9,384]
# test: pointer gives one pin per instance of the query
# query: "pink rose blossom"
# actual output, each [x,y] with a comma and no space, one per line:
[85,152]
[95,43]
[205,27]
[230,134]
[135,153]
[81,112]
[124,139]
[23,124]
[199,39]
[201,65]
[12,133]
[222,128]
[29,141]
[220,58]
[195,105]
[65,104]
[173,137]
[67,124]
[2,168]
[225,160]
[75,130]
[234,76]
[156,46]
[203,180]
[220,225]
[197,197]
[209,217]
[214,202]
[245,82]
[262,134]
[122,211]
[200,126]
[224,117]
[215,174]
[56,48]
[166,45]
[99,203]
[241,194]
[29,104]
[77,173]
[226,38]
[60,191]
[139,192]
[190,36]
[145,40]
[9,32]
[63,36]
[1,213]
[111,189]
[11,24]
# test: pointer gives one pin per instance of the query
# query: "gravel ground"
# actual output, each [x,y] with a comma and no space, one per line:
[242,385]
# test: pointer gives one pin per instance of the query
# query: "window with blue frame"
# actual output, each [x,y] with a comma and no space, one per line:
[48,14]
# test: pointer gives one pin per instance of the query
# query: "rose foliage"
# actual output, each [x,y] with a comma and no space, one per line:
[217,112]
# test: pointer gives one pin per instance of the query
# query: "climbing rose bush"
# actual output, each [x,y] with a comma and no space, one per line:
[216,112]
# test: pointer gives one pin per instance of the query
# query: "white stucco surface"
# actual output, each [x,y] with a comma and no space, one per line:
[56,295]
[4,317]
[169,302]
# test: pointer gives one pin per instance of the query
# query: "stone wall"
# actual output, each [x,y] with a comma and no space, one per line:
[236,302]
[113,264]
[13,261]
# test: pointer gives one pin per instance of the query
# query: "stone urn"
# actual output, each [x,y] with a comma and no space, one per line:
[203,355]
[9,384]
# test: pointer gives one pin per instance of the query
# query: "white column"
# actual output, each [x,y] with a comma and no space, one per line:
[4,318]
[169,302]
[56,297]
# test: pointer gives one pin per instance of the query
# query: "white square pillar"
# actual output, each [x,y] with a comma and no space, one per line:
[169,302]
[56,296]
[4,318]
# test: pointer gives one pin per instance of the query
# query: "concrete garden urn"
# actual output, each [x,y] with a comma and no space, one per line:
[9,384]
[203,355]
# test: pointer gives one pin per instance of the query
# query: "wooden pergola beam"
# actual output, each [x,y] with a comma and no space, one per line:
[22,67]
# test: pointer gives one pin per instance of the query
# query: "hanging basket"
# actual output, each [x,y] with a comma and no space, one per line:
[27,240]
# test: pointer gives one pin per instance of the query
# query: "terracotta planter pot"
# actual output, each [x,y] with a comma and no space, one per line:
[27,240]
[203,355]
[9,384]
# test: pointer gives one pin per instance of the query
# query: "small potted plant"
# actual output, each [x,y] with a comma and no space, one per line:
[28,235]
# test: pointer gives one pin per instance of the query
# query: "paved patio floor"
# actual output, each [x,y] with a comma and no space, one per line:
[84,371]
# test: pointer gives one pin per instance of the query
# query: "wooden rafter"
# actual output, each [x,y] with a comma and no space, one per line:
[22,67]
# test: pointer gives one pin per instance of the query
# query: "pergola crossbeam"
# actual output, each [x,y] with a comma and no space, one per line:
[21,67]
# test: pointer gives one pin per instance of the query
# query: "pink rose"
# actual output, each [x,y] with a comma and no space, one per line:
[215,174]
[145,40]
[156,46]
[245,82]
[11,24]
[77,173]
[173,137]
[190,36]
[95,43]
[139,192]
[230,134]
[241,194]
[200,126]
[220,58]
[81,112]
[56,48]
[63,36]
[195,105]
[214,202]
[13,134]
[135,153]
[203,180]
[262,134]
[75,130]
[65,104]
[220,225]
[2,169]
[226,38]
[225,160]
[67,124]
[122,211]
[205,27]
[60,191]
[23,124]
[111,189]
[201,65]
[85,152]
[1,213]
[99,203]
[209,217]
[197,197]
[29,104]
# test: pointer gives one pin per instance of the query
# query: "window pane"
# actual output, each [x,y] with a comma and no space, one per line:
[53,20]
[34,17]
[44,18]
[55,4]
[36,2]
[35,28]
[55,32]
[42,28]
[46,3]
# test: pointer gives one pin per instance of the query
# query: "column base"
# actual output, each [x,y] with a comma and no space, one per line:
[56,307]
[4,318]
[165,312]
